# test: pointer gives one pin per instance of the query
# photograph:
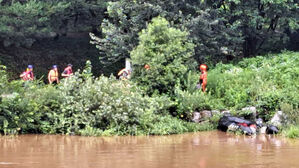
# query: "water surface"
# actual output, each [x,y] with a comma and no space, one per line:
[199,150]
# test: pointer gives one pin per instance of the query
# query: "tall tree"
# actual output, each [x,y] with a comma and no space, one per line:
[22,22]
[126,18]
[262,24]
[168,53]
[221,30]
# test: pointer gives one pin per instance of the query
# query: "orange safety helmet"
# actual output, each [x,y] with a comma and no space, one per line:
[203,67]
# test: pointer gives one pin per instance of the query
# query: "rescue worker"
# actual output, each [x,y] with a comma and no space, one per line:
[147,67]
[124,74]
[53,75]
[203,79]
[28,74]
[67,71]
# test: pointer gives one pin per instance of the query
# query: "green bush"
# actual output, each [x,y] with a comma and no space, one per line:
[292,132]
[167,51]
[189,99]
[292,114]
[168,125]
[3,78]
[85,105]
[263,82]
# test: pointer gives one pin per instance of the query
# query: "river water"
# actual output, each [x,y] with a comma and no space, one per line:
[197,150]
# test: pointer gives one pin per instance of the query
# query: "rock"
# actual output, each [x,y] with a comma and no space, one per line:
[263,130]
[278,119]
[252,111]
[196,117]
[201,116]
[206,114]
[226,113]
[215,112]
[253,128]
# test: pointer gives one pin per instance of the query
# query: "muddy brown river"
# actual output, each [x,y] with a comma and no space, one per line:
[197,150]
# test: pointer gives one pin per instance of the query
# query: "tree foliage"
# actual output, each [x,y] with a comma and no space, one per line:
[85,105]
[167,51]
[264,25]
[222,30]
[22,22]
[127,18]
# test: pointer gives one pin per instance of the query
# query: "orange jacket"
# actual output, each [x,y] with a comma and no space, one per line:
[67,72]
[27,75]
[204,76]
[53,75]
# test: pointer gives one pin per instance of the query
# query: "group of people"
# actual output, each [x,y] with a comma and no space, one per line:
[53,75]
[125,74]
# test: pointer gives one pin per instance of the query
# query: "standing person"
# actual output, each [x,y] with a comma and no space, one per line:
[147,67]
[53,76]
[28,74]
[124,74]
[203,79]
[67,71]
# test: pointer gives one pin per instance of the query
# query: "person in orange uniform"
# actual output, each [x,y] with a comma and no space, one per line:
[53,75]
[28,74]
[147,67]
[67,71]
[124,74]
[203,79]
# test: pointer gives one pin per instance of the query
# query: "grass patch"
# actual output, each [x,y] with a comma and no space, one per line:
[292,131]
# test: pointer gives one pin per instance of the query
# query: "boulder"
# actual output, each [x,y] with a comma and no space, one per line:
[278,119]
[263,130]
[252,110]
[206,114]
[253,129]
[215,112]
[196,117]
[225,113]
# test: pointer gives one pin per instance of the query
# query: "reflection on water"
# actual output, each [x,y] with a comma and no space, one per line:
[199,150]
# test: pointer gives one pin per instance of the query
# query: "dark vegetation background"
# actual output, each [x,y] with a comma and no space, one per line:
[47,32]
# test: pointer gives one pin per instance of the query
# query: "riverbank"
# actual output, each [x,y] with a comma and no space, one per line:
[86,105]
[89,106]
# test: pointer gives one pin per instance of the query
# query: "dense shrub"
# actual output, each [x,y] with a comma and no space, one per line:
[292,131]
[264,82]
[26,111]
[292,114]
[167,51]
[85,105]
[3,78]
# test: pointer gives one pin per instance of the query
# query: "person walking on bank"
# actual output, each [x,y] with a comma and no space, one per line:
[67,71]
[53,76]
[124,74]
[28,74]
[203,79]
